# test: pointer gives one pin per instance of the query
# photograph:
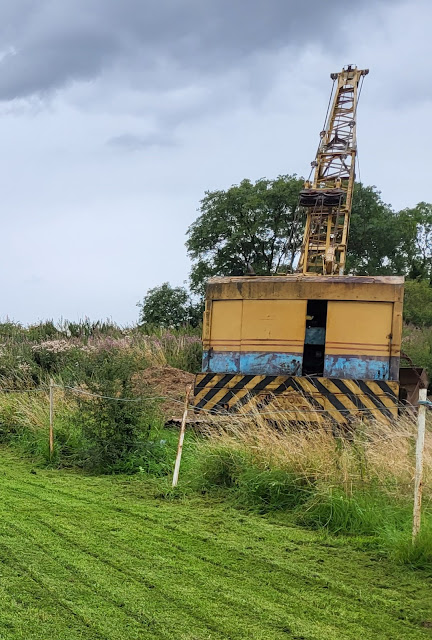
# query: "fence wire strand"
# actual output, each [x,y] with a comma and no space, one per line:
[211,412]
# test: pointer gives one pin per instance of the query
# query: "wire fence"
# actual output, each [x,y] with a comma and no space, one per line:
[218,410]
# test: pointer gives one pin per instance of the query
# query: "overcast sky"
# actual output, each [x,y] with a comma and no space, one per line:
[116,116]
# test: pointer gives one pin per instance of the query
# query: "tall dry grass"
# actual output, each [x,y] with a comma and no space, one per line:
[359,483]
[374,453]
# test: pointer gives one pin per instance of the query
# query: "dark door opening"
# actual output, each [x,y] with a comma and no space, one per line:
[314,344]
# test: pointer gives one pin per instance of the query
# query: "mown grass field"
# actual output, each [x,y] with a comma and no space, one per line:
[109,558]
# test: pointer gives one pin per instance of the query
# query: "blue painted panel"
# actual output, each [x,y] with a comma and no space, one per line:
[252,362]
[221,361]
[356,367]
[276,363]
[271,363]
[315,335]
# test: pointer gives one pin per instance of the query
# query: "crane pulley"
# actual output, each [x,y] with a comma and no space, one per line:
[328,198]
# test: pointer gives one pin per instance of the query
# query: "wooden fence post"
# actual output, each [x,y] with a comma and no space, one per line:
[418,485]
[51,418]
[181,437]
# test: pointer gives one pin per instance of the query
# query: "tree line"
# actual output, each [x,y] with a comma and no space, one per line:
[257,227]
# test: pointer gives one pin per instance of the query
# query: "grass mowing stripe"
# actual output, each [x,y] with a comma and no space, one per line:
[236,555]
[183,590]
[262,584]
[22,601]
[299,571]
[217,582]
[312,579]
[10,558]
[89,595]
[329,601]
[72,528]
[48,547]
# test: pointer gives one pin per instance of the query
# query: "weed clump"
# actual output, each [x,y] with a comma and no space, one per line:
[219,466]
[255,487]
[360,513]
[396,538]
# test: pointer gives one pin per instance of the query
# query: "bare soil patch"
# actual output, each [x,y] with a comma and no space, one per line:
[168,382]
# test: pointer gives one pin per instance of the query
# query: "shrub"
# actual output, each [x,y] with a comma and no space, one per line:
[153,456]
[96,434]
[114,424]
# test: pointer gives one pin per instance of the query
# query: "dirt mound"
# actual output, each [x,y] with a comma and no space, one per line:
[165,381]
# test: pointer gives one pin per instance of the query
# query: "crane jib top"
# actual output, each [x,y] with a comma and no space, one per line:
[328,197]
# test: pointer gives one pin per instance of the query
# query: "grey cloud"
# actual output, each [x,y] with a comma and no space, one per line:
[135,142]
[58,42]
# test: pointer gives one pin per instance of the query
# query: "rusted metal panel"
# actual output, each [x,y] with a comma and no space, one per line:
[291,287]
[359,340]
[411,380]
[255,336]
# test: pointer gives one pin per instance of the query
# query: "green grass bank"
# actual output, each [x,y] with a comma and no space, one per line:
[109,557]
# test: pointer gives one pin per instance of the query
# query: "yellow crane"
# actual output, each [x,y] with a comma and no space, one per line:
[318,344]
[328,198]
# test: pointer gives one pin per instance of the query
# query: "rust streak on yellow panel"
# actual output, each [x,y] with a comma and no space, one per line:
[397,328]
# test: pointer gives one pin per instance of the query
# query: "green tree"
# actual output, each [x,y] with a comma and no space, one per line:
[420,253]
[249,228]
[170,307]
[418,302]
[380,240]
[258,228]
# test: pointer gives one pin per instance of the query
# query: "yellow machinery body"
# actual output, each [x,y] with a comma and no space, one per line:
[315,347]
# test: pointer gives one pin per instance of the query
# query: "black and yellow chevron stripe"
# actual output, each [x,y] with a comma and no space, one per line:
[303,398]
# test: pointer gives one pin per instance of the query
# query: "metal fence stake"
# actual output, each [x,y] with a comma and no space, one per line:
[51,418]
[181,437]
[420,443]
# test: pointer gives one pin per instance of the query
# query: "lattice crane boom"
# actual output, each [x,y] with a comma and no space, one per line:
[328,199]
